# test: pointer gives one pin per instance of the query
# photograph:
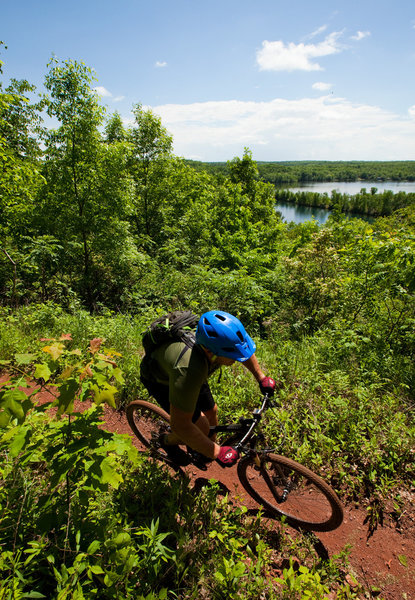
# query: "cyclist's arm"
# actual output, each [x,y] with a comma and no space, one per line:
[252,365]
[183,427]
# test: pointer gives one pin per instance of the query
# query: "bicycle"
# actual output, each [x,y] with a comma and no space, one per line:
[282,486]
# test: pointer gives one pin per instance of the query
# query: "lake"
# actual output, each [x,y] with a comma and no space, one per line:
[350,187]
[299,214]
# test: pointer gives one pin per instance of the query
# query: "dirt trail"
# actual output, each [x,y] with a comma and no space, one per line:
[384,560]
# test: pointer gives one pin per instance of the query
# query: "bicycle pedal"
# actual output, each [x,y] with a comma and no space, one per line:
[199,465]
[155,441]
[199,460]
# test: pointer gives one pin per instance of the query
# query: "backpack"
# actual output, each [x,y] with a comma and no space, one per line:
[176,326]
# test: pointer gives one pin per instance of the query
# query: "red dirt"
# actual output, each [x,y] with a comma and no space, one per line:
[377,560]
[384,559]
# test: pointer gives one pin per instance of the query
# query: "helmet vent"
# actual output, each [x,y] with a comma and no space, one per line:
[220,317]
[240,336]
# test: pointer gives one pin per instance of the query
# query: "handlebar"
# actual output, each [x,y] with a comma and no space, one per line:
[257,415]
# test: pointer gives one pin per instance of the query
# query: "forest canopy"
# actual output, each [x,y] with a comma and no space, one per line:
[304,171]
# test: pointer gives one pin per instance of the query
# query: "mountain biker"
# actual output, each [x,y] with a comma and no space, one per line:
[176,376]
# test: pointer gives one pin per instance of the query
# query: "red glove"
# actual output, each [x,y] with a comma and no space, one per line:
[227,456]
[267,386]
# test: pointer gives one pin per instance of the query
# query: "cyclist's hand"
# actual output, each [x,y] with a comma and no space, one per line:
[227,456]
[267,386]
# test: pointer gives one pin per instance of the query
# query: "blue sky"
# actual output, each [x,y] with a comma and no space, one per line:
[299,80]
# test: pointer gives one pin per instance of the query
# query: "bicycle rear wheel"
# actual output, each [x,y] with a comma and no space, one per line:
[148,421]
[286,488]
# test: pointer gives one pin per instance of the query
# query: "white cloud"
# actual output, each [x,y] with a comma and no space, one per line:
[104,93]
[101,91]
[411,111]
[360,35]
[321,86]
[316,32]
[326,128]
[277,56]
[160,64]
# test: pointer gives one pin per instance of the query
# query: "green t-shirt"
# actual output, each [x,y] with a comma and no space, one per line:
[183,372]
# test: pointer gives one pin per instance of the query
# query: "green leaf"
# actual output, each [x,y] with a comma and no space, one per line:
[20,440]
[93,547]
[97,570]
[67,395]
[105,395]
[122,539]
[11,401]
[403,560]
[118,376]
[24,359]
[14,394]
[42,371]
[109,472]
[4,419]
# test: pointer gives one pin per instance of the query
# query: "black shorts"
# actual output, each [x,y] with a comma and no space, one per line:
[160,393]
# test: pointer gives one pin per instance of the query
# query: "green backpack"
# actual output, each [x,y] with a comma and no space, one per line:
[176,326]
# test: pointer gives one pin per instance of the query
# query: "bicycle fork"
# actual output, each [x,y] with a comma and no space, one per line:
[271,480]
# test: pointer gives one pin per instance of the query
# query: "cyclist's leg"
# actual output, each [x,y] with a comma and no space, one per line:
[212,415]
[203,424]
[208,408]
[205,414]
[168,441]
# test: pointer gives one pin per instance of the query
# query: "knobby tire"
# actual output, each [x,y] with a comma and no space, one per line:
[148,421]
[310,502]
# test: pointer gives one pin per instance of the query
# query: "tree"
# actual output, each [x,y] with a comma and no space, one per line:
[87,191]
[20,124]
[151,150]
[44,254]
[114,130]
[244,171]
[19,174]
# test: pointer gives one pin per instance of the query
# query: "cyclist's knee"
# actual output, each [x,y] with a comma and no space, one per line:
[212,415]
[203,424]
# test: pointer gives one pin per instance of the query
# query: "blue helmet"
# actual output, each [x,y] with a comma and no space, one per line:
[224,335]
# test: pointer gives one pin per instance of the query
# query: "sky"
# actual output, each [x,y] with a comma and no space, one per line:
[292,80]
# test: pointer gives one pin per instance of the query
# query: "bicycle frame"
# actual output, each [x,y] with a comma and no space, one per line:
[250,426]
[246,427]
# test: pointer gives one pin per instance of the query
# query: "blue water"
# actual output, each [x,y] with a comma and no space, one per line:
[299,214]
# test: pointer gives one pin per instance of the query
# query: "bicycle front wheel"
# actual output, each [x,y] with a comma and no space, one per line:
[286,488]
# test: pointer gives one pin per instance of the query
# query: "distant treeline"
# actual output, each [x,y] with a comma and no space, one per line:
[304,171]
[364,203]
